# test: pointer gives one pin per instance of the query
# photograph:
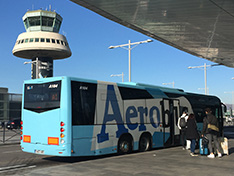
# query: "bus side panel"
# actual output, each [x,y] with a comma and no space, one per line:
[154,118]
[82,140]
[109,113]
[135,119]
[129,116]
[158,139]
[107,144]
[85,141]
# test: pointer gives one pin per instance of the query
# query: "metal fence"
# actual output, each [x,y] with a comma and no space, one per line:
[10,109]
[9,136]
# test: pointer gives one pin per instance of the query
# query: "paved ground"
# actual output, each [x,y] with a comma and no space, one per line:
[170,161]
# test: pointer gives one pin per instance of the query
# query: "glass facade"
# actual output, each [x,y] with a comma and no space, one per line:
[47,21]
[34,21]
[10,106]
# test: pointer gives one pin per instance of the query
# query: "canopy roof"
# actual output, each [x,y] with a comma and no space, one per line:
[204,28]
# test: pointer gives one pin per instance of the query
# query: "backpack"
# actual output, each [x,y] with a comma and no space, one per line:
[182,122]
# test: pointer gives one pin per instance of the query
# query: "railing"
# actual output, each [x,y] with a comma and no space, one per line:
[9,136]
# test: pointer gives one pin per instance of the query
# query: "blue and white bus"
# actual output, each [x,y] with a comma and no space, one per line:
[66,116]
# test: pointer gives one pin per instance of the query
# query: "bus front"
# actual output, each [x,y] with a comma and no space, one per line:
[45,117]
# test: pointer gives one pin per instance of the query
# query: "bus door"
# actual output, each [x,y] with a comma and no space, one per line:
[170,114]
[176,113]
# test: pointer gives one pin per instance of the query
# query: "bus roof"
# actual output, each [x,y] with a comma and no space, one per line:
[155,91]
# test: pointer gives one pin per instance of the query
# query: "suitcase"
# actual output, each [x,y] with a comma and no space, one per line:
[203,149]
[224,145]
[188,143]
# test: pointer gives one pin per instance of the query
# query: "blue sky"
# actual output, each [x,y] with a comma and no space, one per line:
[89,36]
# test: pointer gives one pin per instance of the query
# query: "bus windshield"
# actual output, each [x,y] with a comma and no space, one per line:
[42,97]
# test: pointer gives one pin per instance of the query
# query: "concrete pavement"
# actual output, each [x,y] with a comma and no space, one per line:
[165,162]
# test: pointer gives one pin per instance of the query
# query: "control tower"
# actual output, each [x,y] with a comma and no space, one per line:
[41,43]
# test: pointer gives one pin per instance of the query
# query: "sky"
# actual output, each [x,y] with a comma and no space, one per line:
[89,35]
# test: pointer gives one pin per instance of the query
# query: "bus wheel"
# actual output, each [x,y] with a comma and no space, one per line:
[144,144]
[124,145]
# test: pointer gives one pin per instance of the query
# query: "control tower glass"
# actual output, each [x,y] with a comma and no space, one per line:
[41,20]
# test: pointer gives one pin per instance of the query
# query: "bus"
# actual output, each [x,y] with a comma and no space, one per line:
[67,116]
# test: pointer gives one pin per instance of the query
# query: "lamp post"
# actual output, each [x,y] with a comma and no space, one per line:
[119,75]
[129,48]
[173,84]
[36,62]
[205,74]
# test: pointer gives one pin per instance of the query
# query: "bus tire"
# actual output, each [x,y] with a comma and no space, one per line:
[144,144]
[125,145]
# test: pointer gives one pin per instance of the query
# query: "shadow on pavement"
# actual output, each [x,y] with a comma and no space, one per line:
[77,159]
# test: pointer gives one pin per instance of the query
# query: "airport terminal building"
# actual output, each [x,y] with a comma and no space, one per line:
[10,105]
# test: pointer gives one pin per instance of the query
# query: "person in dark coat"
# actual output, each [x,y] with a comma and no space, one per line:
[212,135]
[192,133]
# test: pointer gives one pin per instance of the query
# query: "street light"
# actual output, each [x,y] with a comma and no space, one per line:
[36,63]
[119,75]
[129,48]
[204,66]
[173,84]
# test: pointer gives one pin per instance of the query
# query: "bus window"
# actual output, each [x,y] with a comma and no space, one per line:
[131,94]
[199,114]
[83,103]
[42,97]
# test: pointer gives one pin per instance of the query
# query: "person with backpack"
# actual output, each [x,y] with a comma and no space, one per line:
[182,127]
[211,130]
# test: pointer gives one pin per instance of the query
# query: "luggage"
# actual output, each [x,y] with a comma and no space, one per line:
[224,145]
[188,143]
[203,149]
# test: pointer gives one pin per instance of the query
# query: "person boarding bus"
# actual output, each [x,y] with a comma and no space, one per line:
[182,126]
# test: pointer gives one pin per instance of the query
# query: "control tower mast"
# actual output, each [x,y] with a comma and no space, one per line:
[41,42]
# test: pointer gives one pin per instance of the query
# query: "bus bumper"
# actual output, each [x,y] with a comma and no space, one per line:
[61,150]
